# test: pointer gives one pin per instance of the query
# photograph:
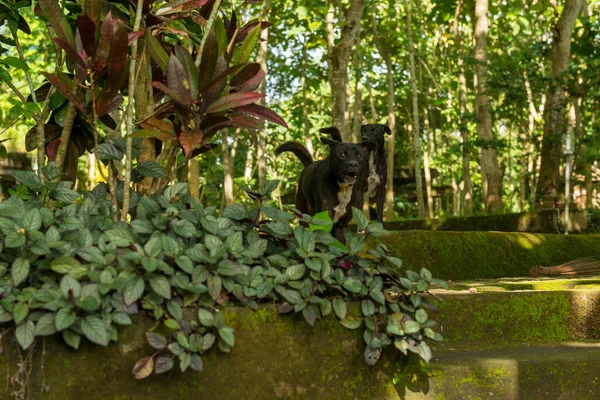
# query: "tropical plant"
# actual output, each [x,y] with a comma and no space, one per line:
[76,272]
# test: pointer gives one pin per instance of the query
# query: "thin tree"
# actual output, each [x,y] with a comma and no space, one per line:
[261,58]
[415,110]
[554,112]
[385,53]
[466,199]
[489,155]
[338,59]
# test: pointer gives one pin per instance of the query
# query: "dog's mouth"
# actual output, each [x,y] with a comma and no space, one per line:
[350,177]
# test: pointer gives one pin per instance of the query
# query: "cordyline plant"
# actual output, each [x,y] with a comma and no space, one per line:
[75,272]
[197,90]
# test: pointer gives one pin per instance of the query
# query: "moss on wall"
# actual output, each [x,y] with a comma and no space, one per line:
[481,255]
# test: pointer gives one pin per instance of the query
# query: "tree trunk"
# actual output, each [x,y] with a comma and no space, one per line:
[426,149]
[227,169]
[307,138]
[261,58]
[554,113]
[358,93]
[467,192]
[338,59]
[144,107]
[415,110]
[374,116]
[249,164]
[489,156]
[385,54]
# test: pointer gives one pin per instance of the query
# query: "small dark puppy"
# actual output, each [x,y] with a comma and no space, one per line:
[327,185]
[376,176]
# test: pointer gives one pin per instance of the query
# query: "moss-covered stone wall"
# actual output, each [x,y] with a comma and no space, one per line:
[275,357]
[545,221]
[480,255]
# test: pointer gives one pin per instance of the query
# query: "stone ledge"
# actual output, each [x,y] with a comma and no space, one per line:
[483,255]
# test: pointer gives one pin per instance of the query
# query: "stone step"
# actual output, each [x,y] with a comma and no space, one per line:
[521,316]
[569,370]
[520,284]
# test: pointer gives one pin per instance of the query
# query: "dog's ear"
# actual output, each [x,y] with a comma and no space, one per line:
[368,146]
[386,129]
[328,142]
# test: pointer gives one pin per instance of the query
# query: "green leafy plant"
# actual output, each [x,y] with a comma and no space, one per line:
[76,272]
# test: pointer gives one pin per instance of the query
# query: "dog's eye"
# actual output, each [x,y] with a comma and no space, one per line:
[342,156]
[360,156]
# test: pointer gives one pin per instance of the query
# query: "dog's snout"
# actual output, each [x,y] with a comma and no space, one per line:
[353,164]
[364,138]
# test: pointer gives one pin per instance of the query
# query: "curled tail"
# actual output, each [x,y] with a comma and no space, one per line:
[333,132]
[298,149]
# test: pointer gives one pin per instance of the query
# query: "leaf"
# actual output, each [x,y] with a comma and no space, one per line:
[426,275]
[163,364]
[421,316]
[253,83]
[190,69]
[353,285]
[245,74]
[65,85]
[65,317]
[109,151]
[197,364]
[178,82]
[157,51]
[151,169]
[121,237]
[242,55]
[156,340]
[65,195]
[32,221]
[310,314]
[120,318]
[423,350]
[232,100]
[231,268]
[58,21]
[360,218]
[134,289]
[226,334]
[339,307]
[29,179]
[15,62]
[19,270]
[412,327]
[161,286]
[71,338]
[256,110]
[46,326]
[206,318]
[175,310]
[295,272]
[143,368]
[214,286]
[64,264]
[70,287]
[20,312]
[25,334]
[351,322]
[184,361]
[94,330]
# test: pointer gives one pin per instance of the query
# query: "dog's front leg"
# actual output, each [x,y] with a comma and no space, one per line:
[380,201]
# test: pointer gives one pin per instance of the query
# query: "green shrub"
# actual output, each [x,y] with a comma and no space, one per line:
[75,271]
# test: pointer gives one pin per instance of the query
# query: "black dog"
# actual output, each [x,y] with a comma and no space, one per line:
[328,184]
[376,175]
